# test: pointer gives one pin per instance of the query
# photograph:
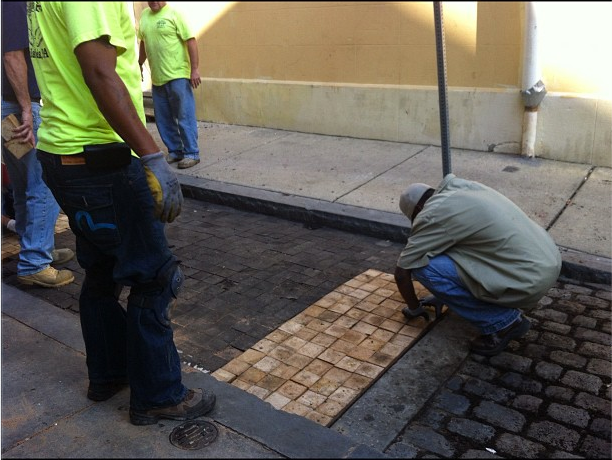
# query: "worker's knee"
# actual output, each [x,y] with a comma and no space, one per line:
[162,290]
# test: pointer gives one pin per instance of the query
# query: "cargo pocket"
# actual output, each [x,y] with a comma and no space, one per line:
[93,213]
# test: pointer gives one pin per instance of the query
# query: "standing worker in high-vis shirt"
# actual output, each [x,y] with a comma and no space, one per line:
[172,50]
[113,182]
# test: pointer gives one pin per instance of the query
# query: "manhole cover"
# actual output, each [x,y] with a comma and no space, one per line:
[194,435]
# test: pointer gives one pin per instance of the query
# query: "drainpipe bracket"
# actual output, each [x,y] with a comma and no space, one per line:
[534,95]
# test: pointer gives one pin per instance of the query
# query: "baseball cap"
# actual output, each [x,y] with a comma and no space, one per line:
[411,196]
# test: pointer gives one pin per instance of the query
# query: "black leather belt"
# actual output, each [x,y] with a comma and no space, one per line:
[14,99]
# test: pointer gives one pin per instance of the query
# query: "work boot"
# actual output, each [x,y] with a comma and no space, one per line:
[196,403]
[49,277]
[187,163]
[493,344]
[61,256]
[104,391]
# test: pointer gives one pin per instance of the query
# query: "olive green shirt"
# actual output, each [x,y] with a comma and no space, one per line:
[501,255]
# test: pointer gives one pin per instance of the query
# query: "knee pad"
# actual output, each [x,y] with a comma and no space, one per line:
[160,292]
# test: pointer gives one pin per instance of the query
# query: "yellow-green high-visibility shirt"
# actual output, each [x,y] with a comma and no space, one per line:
[502,256]
[70,116]
[165,36]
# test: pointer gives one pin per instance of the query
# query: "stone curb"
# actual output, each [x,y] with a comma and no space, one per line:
[585,268]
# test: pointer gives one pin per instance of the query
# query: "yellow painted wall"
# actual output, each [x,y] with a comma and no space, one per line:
[258,50]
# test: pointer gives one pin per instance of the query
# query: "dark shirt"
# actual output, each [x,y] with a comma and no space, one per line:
[15,37]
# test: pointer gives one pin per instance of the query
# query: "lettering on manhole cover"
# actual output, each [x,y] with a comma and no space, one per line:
[194,435]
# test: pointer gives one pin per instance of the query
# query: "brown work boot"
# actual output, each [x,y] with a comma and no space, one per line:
[49,277]
[196,403]
[61,256]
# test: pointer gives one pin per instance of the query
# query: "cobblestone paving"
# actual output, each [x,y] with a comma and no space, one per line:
[547,396]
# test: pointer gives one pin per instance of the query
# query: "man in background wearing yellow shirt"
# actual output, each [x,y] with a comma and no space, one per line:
[170,46]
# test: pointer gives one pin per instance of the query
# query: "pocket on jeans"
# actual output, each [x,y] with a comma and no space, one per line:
[93,213]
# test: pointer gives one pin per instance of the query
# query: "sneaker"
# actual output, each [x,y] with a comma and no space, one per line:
[187,163]
[104,391]
[49,277]
[493,344]
[197,402]
[61,256]
[172,159]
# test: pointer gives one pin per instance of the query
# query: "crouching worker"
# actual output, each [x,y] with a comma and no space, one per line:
[479,254]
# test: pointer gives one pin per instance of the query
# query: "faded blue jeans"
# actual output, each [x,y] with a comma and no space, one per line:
[120,243]
[175,117]
[440,277]
[36,211]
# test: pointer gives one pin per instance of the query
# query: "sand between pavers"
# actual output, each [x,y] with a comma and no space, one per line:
[320,361]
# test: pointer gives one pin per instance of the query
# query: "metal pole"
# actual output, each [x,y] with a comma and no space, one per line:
[441,55]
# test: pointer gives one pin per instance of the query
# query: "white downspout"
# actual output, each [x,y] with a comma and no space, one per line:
[533,89]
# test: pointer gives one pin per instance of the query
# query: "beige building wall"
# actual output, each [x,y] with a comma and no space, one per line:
[369,70]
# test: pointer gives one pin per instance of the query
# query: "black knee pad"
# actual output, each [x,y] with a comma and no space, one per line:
[166,286]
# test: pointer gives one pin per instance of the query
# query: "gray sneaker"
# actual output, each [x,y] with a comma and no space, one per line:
[171,159]
[61,256]
[196,403]
[187,163]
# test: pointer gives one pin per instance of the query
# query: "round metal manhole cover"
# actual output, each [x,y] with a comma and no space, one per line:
[194,435]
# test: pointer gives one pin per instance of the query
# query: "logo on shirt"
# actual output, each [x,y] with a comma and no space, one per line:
[38,48]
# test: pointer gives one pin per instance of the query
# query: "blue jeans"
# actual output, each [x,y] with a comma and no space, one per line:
[120,243]
[440,277]
[175,117]
[36,211]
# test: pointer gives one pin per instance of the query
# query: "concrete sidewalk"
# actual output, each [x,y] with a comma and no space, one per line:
[550,394]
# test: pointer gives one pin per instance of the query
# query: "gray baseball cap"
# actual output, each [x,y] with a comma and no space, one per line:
[411,196]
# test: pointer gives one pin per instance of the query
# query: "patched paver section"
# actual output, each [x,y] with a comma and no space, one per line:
[320,361]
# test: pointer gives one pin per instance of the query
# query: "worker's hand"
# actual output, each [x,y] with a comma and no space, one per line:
[195,78]
[164,186]
[24,133]
[410,313]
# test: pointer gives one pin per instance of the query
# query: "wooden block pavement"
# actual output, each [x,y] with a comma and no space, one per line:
[316,364]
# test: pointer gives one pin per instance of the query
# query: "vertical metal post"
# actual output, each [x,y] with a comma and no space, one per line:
[442,93]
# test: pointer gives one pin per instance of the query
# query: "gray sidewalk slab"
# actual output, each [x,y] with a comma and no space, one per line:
[585,225]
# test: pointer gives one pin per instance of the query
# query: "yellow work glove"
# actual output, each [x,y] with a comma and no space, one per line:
[164,186]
